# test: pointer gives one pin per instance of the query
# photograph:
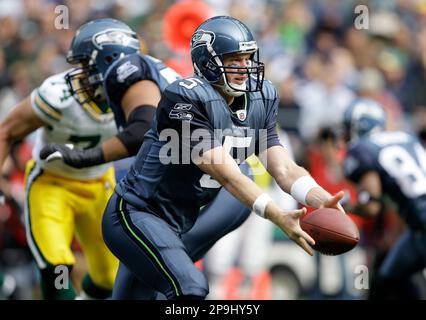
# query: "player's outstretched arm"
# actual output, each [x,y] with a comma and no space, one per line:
[219,164]
[20,122]
[139,104]
[296,181]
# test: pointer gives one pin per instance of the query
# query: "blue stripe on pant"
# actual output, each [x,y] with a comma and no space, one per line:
[158,262]
[222,216]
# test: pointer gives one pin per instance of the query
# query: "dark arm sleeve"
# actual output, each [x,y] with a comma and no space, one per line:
[138,124]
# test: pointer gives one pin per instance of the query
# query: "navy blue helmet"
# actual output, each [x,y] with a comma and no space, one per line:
[362,117]
[219,36]
[95,46]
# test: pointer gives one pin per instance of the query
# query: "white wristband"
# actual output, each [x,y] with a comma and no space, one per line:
[260,203]
[301,187]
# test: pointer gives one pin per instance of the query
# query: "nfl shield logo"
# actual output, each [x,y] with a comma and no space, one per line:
[241,114]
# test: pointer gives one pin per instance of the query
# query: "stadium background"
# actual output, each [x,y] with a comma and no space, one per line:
[318,61]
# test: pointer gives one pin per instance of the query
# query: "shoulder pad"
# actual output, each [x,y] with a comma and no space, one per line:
[55,92]
[194,88]
[359,159]
[122,74]
[51,99]
[269,91]
[125,67]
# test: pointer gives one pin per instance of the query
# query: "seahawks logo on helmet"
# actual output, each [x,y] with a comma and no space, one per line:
[115,37]
[202,37]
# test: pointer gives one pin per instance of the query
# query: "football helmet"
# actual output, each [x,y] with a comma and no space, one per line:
[363,117]
[95,46]
[217,37]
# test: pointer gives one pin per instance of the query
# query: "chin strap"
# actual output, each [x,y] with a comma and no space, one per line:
[231,91]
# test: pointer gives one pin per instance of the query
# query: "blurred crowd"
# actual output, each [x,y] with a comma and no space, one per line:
[314,54]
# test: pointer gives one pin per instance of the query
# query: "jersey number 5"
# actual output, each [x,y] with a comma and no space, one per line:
[190,83]
[229,143]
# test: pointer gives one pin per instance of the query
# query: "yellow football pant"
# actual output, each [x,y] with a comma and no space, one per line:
[59,208]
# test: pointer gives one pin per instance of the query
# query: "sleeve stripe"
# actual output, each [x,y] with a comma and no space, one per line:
[91,107]
[46,108]
[49,104]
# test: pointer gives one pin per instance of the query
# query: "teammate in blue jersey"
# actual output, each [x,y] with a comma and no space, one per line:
[204,127]
[109,65]
[389,164]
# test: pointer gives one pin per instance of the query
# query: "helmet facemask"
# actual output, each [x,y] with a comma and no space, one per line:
[86,85]
[209,50]
[254,72]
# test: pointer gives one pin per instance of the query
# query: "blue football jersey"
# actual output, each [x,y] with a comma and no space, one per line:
[400,160]
[128,70]
[192,118]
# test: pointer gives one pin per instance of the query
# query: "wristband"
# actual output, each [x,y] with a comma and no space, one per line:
[260,203]
[301,187]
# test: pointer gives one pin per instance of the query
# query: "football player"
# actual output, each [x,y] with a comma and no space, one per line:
[132,84]
[388,164]
[226,110]
[61,201]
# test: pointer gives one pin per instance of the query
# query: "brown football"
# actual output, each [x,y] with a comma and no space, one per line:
[333,231]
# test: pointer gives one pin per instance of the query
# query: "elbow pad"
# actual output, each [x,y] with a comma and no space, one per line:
[138,124]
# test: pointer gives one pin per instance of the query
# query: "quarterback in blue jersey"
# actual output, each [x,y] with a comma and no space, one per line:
[389,164]
[109,63]
[204,127]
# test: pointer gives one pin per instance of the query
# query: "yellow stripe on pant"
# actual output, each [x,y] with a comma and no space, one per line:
[57,209]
